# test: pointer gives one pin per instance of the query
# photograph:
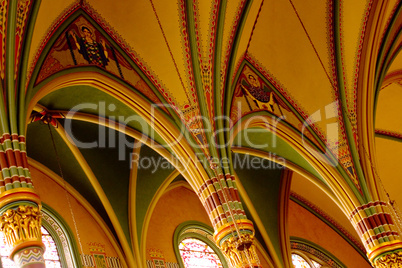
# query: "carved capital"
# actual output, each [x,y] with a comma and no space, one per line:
[21,225]
[240,251]
[236,241]
[389,260]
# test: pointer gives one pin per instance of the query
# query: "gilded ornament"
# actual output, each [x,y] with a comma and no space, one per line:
[21,225]
[392,260]
[240,251]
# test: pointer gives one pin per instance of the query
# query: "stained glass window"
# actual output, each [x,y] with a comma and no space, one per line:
[316,264]
[197,254]
[299,262]
[51,255]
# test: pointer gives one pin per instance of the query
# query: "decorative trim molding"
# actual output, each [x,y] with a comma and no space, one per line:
[316,251]
[62,236]
[388,133]
[200,231]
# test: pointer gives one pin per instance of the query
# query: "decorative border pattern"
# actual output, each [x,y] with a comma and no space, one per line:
[23,9]
[316,253]
[389,133]
[187,55]
[63,239]
[229,50]
[396,35]
[117,38]
[49,33]
[151,264]
[344,152]
[111,262]
[3,33]
[358,55]
[206,63]
[30,256]
[278,86]
[133,55]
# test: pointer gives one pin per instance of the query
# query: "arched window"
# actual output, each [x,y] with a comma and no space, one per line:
[302,261]
[306,254]
[57,239]
[195,247]
[51,256]
[195,253]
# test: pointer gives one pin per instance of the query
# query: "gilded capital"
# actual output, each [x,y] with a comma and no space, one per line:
[389,260]
[21,225]
[240,251]
[236,240]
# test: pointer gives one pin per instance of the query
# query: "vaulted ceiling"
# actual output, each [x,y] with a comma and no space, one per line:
[182,82]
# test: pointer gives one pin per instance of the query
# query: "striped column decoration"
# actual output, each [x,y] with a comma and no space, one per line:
[380,237]
[31,257]
[221,200]
[13,163]
[234,234]
[19,204]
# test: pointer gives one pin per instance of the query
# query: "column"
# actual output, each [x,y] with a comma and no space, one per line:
[20,222]
[376,227]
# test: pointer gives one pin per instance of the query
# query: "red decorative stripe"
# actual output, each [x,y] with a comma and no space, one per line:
[368,205]
[240,10]
[379,236]
[220,195]
[18,158]
[24,160]
[10,157]
[255,23]
[389,133]
[3,160]
[6,136]
[374,221]
[21,139]
[359,53]
[209,204]
[15,178]
[204,186]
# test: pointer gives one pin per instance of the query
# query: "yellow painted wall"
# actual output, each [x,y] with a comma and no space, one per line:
[89,230]
[173,208]
[305,225]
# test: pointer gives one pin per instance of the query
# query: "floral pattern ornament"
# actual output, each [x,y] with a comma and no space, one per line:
[21,225]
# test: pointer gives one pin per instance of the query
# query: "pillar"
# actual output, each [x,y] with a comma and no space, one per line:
[20,222]
[234,233]
[375,225]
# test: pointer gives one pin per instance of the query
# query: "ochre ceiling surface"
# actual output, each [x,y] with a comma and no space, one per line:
[193,82]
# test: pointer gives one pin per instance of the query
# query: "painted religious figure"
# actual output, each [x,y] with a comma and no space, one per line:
[93,51]
[84,43]
[263,97]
